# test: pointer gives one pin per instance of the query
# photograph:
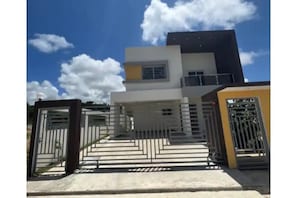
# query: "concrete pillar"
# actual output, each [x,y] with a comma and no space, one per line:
[42,129]
[114,125]
[186,119]
[125,126]
[200,115]
[86,130]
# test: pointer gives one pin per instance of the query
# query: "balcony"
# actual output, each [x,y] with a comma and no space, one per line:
[207,79]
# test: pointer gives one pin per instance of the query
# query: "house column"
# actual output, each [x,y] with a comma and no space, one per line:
[114,125]
[86,128]
[186,119]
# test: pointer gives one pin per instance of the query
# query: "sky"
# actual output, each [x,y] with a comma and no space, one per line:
[76,50]
[109,17]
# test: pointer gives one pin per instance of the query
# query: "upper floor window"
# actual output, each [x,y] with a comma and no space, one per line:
[195,73]
[151,72]
[147,72]
[166,112]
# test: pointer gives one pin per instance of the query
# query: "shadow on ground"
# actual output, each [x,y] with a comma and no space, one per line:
[258,180]
[123,170]
[148,169]
[252,179]
[46,177]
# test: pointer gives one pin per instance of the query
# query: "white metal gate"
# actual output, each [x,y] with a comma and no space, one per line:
[168,135]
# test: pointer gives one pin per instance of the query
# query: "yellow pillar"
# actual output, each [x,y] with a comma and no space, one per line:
[231,157]
[263,95]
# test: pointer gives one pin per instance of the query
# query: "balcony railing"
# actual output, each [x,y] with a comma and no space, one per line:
[208,79]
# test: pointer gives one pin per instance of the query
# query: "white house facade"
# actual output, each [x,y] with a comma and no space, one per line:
[166,82]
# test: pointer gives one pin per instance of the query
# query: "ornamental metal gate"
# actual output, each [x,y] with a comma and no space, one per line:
[248,133]
[151,135]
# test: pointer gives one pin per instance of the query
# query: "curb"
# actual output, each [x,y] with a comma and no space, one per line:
[129,191]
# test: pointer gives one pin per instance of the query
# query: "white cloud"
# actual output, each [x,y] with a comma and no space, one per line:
[159,18]
[248,58]
[44,91]
[48,43]
[83,78]
[246,80]
[89,79]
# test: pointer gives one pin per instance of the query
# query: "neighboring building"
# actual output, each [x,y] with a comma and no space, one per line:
[189,66]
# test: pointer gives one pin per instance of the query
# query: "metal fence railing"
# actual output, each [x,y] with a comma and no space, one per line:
[52,126]
[54,138]
[156,134]
[149,134]
[207,79]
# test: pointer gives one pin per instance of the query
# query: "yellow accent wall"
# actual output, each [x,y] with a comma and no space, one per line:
[263,95]
[133,72]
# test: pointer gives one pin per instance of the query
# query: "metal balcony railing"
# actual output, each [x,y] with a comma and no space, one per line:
[208,79]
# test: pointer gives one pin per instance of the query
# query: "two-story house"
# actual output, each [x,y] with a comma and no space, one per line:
[164,84]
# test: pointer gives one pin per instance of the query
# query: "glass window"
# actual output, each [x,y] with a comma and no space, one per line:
[192,73]
[166,112]
[159,73]
[154,72]
[195,73]
[148,73]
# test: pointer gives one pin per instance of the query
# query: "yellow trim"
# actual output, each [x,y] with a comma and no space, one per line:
[227,132]
[265,108]
[263,95]
[133,72]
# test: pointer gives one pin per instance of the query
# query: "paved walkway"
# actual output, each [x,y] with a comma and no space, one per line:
[203,182]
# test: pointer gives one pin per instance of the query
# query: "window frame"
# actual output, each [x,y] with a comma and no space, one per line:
[196,72]
[153,67]
[153,64]
[167,112]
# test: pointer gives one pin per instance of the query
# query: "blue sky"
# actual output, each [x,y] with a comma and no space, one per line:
[76,50]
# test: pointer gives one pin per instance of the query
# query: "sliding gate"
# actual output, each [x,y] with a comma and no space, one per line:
[150,135]
[66,137]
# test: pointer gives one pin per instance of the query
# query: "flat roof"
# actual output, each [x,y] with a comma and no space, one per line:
[200,41]
[245,88]
[220,42]
[213,94]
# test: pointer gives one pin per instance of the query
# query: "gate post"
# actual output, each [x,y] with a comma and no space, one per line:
[186,117]
[32,141]
[73,144]
[73,136]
